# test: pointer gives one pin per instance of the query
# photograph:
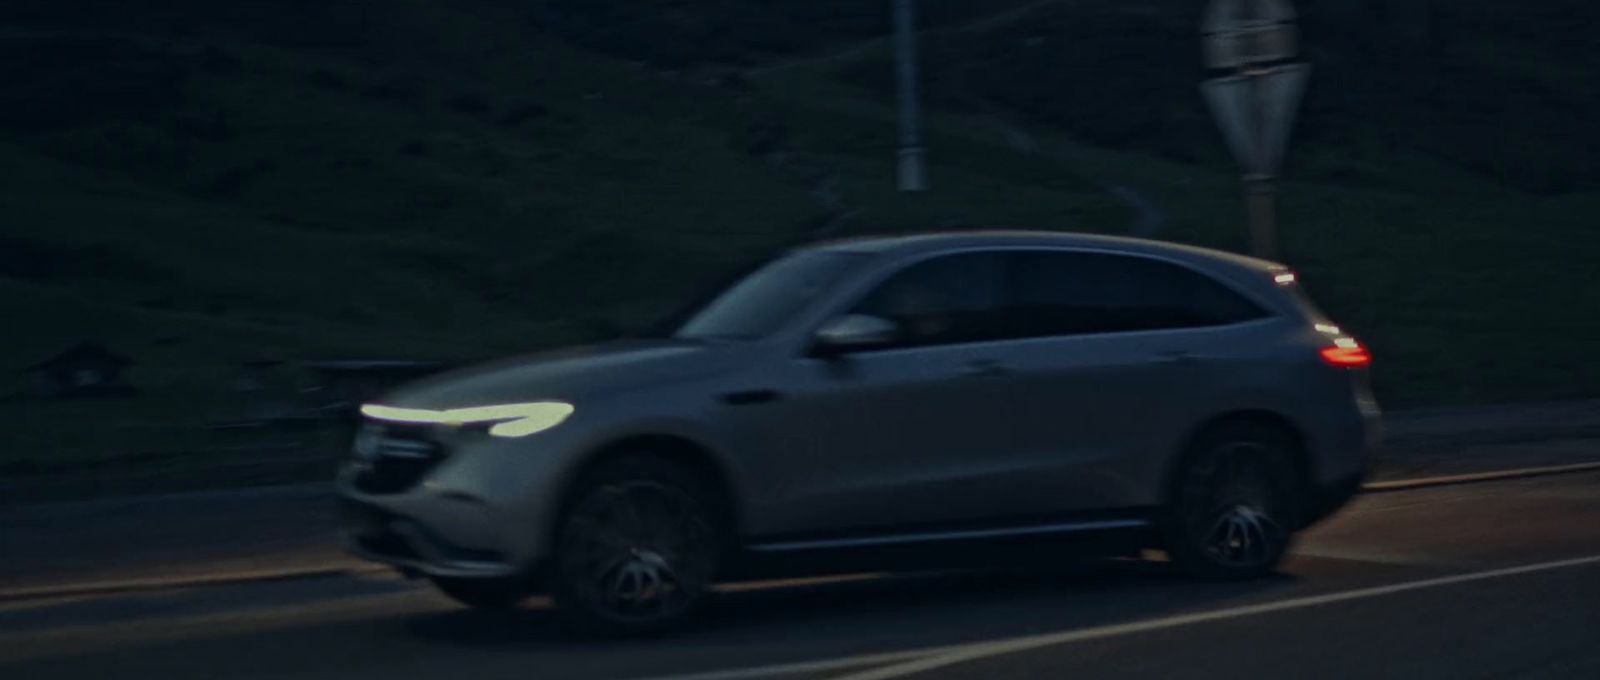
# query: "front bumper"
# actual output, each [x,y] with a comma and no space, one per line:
[481,509]
[378,535]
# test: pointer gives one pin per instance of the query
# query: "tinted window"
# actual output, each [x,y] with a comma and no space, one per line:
[760,303]
[1065,293]
[947,299]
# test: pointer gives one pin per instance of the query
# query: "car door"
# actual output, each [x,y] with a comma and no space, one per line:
[903,429]
[1116,357]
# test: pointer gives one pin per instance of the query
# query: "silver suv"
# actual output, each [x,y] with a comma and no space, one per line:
[881,401]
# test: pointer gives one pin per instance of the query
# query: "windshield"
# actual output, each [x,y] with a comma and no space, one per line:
[760,303]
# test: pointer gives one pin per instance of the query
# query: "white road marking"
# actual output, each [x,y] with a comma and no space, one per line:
[981,650]
[805,666]
[911,662]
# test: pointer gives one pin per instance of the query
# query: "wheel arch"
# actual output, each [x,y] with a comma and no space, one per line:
[1300,454]
[693,455]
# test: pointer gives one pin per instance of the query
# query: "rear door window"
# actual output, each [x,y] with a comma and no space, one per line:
[1068,293]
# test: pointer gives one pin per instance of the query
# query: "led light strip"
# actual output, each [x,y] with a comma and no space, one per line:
[511,420]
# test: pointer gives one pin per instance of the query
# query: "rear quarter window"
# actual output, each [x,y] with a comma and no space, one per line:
[1070,292]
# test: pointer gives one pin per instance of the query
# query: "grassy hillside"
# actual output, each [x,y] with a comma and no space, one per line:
[438,183]
[199,184]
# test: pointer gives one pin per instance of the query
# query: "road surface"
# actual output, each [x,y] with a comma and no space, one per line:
[1493,580]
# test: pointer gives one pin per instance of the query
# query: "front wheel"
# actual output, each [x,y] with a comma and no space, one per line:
[1234,504]
[638,547]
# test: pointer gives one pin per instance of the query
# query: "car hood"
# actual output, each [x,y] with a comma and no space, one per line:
[569,374]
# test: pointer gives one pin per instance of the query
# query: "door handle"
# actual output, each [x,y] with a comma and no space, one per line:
[985,368]
[1177,356]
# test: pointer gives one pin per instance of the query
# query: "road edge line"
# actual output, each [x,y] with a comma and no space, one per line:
[800,667]
[96,588]
[1476,477]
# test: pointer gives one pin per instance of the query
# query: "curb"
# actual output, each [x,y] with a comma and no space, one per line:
[1476,477]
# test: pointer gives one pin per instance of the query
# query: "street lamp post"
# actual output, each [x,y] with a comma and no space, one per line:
[911,173]
[1252,41]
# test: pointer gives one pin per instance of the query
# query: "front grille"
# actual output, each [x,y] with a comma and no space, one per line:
[393,457]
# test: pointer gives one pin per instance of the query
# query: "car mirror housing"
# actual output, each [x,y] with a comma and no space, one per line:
[855,332]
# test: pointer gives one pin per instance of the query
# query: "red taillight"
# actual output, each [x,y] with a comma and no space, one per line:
[1347,354]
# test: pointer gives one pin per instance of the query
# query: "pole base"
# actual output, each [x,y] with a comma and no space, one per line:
[912,173]
[1261,200]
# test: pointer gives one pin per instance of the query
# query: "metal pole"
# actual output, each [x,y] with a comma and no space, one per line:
[1260,197]
[1260,189]
[911,173]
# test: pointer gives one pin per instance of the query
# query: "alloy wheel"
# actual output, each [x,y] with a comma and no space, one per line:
[638,552]
[1233,508]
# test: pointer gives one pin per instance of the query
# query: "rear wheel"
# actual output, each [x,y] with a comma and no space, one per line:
[638,547]
[1234,507]
[482,593]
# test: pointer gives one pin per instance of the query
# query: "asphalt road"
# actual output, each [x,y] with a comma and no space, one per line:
[1489,580]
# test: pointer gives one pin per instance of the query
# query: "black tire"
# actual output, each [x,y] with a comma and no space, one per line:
[637,547]
[482,593]
[1234,504]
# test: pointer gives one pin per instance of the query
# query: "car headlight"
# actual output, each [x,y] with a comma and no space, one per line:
[505,420]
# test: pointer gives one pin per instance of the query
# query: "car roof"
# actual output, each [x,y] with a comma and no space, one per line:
[932,242]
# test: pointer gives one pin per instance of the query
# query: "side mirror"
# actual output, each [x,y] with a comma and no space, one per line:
[855,332]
